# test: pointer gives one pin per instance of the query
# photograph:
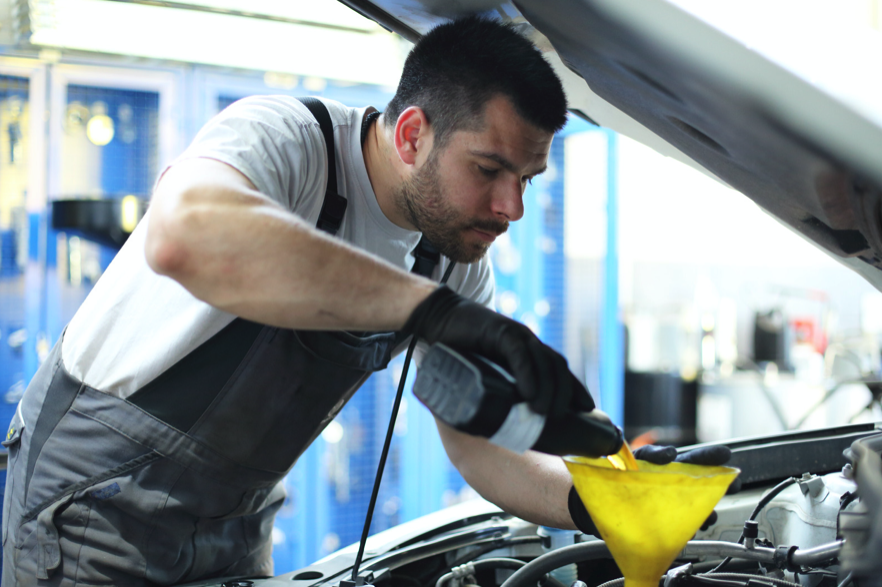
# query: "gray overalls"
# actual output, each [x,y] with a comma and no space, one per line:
[181,481]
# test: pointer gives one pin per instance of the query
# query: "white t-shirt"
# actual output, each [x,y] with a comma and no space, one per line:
[135,324]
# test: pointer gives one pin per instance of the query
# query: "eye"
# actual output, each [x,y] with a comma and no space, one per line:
[488,172]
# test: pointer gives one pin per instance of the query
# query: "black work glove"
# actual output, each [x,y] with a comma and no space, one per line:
[716,455]
[713,456]
[543,377]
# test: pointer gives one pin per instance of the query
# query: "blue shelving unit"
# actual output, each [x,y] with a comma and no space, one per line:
[14,93]
[127,165]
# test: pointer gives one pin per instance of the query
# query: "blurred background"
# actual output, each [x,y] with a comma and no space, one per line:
[694,315]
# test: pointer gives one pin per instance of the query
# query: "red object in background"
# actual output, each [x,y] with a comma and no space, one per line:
[806,331]
[648,437]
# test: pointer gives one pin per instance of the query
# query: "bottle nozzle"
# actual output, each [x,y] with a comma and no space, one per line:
[584,434]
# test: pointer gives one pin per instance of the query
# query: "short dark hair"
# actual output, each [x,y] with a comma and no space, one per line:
[457,67]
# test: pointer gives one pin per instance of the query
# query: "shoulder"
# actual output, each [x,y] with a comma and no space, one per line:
[285,115]
[273,140]
[287,110]
[259,122]
[343,115]
[281,113]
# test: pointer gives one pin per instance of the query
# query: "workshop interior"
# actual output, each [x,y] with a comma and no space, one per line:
[705,249]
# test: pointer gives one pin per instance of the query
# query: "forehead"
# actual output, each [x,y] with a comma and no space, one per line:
[505,132]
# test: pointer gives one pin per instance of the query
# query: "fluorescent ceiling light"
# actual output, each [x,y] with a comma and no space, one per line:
[353,50]
[328,12]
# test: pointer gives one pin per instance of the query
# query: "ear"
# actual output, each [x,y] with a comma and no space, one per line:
[413,135]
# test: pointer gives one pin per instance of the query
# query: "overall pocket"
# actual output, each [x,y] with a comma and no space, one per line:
[365,352]
[80,530]
[13,445]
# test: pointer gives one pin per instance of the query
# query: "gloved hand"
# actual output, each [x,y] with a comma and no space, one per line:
[543,377]
[715,455]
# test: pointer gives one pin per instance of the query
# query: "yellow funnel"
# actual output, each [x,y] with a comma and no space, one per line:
[647,516]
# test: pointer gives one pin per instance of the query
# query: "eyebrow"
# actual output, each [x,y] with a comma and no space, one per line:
[505,163]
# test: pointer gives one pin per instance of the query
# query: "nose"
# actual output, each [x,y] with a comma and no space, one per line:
[508,201]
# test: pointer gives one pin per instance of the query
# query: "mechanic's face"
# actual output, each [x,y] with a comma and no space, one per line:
[467,192]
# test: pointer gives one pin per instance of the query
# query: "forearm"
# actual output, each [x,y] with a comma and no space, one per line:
[532,486]
[235,249]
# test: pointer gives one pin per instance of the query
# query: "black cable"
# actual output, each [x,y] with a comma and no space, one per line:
[756,511]
[844,501]
[847,580]
[386,444]
[383,455]
[822,572]
[736,565]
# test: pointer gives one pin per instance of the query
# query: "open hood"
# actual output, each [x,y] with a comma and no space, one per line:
[654,72]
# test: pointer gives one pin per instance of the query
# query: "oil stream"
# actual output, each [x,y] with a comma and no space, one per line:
[624,459]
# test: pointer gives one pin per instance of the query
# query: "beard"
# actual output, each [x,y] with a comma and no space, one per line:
[423,201]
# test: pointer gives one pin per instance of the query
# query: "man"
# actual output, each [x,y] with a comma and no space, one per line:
[231,329]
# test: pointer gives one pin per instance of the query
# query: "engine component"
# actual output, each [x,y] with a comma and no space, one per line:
[801,520]
[862,527]
[557,538]
[782,557]
[756,511]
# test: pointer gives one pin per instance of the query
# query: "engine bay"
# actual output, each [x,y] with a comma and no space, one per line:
[818,528]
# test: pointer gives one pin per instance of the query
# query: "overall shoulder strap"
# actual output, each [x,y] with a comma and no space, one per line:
[334,206]
[181,394]
[426,258]
[426,255]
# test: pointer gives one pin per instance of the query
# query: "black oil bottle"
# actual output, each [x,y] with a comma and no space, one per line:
[478,397]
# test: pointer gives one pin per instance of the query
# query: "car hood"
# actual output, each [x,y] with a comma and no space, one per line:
[807,155]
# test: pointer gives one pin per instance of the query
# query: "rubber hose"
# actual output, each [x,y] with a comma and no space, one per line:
[534,570]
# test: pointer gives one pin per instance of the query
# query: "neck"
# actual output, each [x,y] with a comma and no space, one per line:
[379,159]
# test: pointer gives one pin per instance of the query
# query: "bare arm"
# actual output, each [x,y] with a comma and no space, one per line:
[532,486]
[243,253]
